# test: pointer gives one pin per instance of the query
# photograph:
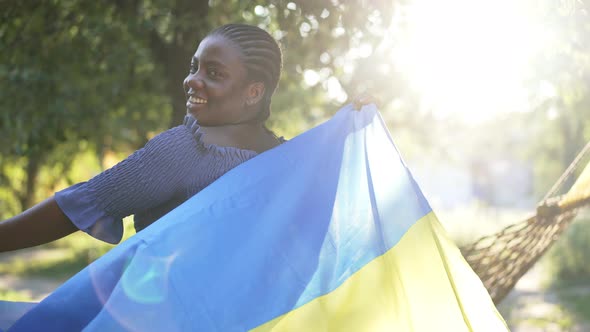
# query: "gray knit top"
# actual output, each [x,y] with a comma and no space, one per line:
[172,167]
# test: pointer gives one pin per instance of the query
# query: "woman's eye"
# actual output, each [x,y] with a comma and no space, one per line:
[213,73]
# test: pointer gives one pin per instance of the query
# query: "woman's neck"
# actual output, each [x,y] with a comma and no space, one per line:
[247,136]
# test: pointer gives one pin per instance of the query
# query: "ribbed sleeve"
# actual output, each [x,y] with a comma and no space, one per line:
[171,168]
[147,178]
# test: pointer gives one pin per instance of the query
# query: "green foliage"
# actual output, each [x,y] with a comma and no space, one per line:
[72,71]
[70,76]
[104,76]
[60,268]
[578,303]
[108,74]
[559,88]
[12,295]
[568,258]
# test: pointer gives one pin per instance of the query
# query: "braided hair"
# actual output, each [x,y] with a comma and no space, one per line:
[261,55]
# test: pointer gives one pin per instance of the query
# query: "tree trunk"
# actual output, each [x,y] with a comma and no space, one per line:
[27,198]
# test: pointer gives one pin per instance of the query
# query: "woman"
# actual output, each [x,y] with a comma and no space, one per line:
[345,242]
[233,75]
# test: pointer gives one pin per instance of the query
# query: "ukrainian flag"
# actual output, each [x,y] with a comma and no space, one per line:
[327,232]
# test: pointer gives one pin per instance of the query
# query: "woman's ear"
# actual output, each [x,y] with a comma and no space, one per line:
[255,93]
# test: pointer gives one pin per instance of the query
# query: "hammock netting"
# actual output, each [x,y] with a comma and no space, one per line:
[501,259]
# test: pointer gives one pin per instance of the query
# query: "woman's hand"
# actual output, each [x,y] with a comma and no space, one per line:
[364,99]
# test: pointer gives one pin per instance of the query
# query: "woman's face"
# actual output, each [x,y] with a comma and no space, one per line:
[217,86]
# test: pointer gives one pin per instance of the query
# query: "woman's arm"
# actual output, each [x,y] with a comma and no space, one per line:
[145,179]
[43,223]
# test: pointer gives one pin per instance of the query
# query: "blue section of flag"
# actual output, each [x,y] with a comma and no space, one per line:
[269,236]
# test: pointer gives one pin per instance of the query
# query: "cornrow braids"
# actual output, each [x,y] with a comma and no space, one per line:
[261,55]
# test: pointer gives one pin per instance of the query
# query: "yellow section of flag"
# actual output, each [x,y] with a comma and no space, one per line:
[421,284]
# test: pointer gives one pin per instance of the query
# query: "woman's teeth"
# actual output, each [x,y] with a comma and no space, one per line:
[196,100]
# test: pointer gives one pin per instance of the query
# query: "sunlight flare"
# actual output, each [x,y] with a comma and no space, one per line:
[468,58]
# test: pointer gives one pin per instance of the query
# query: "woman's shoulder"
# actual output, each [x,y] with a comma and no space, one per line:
[192,127]
[172,141]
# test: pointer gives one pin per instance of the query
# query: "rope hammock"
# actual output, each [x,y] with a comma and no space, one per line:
[501,259]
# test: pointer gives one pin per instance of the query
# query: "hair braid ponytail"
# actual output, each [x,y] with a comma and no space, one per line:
[261,55]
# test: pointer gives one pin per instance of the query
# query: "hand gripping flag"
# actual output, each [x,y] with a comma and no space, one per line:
[327,232]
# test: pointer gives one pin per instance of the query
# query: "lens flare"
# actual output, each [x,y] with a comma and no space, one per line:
[146,279]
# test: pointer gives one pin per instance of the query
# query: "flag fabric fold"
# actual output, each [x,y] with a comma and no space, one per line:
[327,232]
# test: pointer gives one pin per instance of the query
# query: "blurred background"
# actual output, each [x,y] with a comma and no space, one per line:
[488,102]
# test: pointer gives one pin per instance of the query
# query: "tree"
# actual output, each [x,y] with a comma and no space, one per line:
[108,74]
[561,88]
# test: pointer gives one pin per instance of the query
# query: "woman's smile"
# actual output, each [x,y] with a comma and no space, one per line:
[216,86]
[194,103]
[197,100]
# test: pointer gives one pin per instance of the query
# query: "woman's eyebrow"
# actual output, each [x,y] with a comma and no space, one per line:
[209,62]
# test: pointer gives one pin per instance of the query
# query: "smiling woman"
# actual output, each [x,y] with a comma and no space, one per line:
[306,236]
[217,85]
[228,100]
[231,80]
[232,77]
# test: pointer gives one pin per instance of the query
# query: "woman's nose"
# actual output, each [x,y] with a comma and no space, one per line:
[194,82]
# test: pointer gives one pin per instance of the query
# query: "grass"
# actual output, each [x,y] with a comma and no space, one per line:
[577,303]
[60,267]
[559,320]
[17,296]
[574,296]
